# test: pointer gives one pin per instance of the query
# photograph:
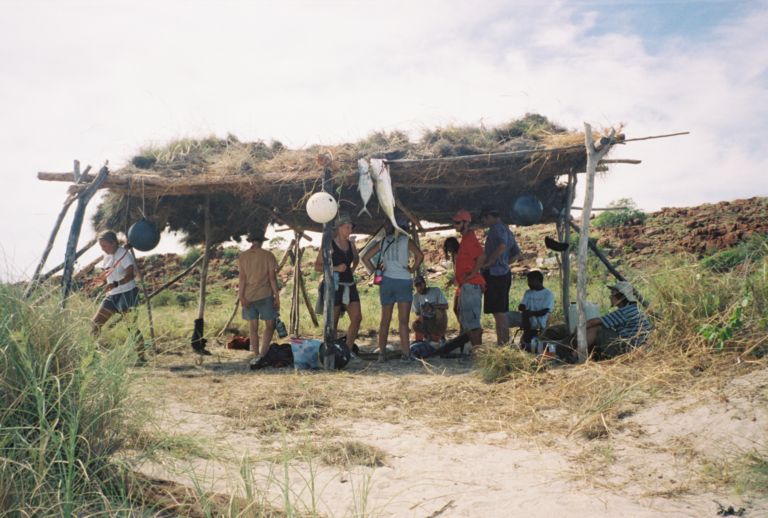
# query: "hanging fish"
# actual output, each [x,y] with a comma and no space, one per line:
[380,174]
[364,184]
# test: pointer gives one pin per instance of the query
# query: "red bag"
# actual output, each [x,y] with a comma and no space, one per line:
[240,343]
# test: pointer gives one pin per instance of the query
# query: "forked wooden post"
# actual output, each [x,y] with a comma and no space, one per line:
[594,155]
[74,233]
[329,333]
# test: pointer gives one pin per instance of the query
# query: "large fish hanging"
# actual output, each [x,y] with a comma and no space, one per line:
[383,183]
[364,184]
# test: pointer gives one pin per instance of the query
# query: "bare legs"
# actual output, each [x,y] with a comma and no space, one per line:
[502,328]
[99,319]
[355,319]
[260,347]
[403,314]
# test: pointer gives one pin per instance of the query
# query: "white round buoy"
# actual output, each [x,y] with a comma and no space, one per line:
[322,207]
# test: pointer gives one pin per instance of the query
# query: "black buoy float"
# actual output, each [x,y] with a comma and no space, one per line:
[143,235]
[527,210]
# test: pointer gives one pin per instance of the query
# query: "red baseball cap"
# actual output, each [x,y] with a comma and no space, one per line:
[462,215]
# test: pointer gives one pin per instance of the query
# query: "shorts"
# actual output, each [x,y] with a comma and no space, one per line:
[121,302]
[262,309]
[393,291]
[497,293]
[470,303]
[338,298]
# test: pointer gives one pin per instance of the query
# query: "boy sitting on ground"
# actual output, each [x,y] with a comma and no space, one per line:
[533,312]
[430,306]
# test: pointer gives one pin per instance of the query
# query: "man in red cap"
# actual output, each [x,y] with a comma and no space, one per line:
[469,261]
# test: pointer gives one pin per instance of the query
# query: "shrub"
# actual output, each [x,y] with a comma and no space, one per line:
[190,257]
[752,249]
[624,211]
[182,299]
[162,299]
[231,253]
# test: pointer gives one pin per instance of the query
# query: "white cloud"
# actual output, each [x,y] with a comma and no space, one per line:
[97,80]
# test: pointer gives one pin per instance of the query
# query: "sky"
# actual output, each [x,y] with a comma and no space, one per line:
[98,80]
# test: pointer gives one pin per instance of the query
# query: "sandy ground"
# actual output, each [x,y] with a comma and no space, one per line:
[652,465]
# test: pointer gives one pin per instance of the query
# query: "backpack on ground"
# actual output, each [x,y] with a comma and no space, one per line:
[278,355]
[340,350]
[422,350]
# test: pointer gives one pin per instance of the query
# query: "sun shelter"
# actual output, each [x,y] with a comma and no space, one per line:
[214,190]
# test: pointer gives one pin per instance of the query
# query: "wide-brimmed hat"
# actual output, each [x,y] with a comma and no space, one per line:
[343,219]
[256,235]
[625,289]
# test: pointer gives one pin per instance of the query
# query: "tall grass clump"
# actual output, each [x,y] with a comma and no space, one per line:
[750,250]
[61,412]
[694,306]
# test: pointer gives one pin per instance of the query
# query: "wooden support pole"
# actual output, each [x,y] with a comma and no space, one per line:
[147,301]
[594,155]
[565,257]
[286,255]
[177,278]
[329,332]
[311,309]
[295,293]
[88,268]
[50,273]
[206,257]
[36,276]
[231,317]
[608,265]
[74,233]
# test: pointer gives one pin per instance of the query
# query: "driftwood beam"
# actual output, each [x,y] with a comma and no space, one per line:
[53,271]
[620,161]
[176,279]
[607,263]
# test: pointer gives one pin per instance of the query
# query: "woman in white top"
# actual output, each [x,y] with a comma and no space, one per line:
[119,272]
[397,285]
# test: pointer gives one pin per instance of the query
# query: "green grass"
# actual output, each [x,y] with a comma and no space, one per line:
[752,249]
[63,411]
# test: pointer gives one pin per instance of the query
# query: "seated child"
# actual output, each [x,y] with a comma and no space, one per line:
[533,311]
[430,306]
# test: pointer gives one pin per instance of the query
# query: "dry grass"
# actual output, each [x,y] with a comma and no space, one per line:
[590,400]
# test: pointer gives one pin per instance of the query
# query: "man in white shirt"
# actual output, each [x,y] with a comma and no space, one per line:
[430,306]
[119,272]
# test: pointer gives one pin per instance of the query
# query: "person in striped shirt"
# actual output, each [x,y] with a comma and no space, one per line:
[622,329]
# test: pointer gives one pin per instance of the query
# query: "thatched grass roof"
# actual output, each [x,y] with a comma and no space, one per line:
[447,169]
